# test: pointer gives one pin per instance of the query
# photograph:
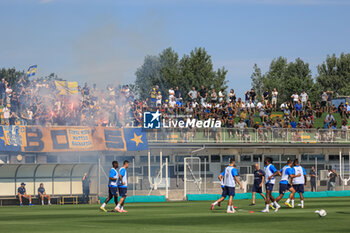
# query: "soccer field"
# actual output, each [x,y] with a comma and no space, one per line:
[178,217]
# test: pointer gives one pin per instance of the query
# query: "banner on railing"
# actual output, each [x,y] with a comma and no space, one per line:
[65,139]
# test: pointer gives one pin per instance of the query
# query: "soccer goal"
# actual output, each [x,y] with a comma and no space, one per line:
[192,176]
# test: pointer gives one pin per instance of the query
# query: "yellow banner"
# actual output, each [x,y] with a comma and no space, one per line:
[66,88]
[79,138]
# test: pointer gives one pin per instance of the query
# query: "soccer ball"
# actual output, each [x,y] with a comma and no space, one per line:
[321,213]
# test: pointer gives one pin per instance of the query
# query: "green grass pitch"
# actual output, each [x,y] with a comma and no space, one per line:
[177,217]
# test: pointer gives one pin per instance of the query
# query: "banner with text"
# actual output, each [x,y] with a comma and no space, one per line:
[65,139]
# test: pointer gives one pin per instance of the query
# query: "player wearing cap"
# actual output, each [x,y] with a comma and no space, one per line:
[22,193]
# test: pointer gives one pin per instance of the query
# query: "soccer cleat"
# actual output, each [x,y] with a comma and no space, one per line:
[230,212]
[287,204]
[265,211]
[21,204]
[118,210]
[272,206]
[219,204]
[31,204]
[277,208]
[49,204]
[103,209]
[252,204]
[124,211]
[212,207]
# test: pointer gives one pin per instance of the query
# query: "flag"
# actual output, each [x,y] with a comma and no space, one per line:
[31,71]
[136,139]
[66,88]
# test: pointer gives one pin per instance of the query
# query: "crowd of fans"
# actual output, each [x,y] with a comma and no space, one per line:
[262,113]
[38,102]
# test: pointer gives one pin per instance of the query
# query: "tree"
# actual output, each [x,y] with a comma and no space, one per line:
[334,74]
[287,78]
[148,75]
[197,70]
[166,70]
[257,80]
[12,75]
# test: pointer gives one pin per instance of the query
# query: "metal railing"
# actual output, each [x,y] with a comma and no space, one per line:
[247,135]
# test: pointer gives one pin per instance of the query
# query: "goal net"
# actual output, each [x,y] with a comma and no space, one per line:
[192,176]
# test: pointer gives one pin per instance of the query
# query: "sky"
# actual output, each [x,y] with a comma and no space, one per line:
[105,41]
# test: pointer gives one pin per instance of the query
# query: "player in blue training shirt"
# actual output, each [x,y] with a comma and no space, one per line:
[22,193]
[217,202]
[230,180]
[286,172]
[122,187]
[270,173]
[42,195]
[299,182]
[259,177]
[112,186]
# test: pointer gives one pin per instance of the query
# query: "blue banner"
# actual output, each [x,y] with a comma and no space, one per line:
[135,139]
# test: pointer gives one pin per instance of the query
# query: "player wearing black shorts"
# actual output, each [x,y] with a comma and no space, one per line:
[259,178]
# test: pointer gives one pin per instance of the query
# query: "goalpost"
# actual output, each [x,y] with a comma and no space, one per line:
[192,176]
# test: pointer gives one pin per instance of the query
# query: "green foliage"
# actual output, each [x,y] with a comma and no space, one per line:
[166,70]
[148,75]
[257,81]
[334,74]
[11,75]
[287,78]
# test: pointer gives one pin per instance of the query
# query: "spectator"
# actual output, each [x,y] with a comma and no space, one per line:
[221,96]
[178,93]
[324,99]
[329,99]
[192,94]
[274,95]
[298,108]
[332,180]
[22,193]
[42,195]
[3,91]
[293,123]
[86,188]
[313,179]
[247,96]
[266,96]
[171,93]
[295,97]
[252,95]
[304,98]
[232,96]
[203,94]
[214,97]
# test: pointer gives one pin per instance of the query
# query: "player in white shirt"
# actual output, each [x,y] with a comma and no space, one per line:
[286,173]
[299,182]
[230,180]
[270,173]
[112,186]
[122,187]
